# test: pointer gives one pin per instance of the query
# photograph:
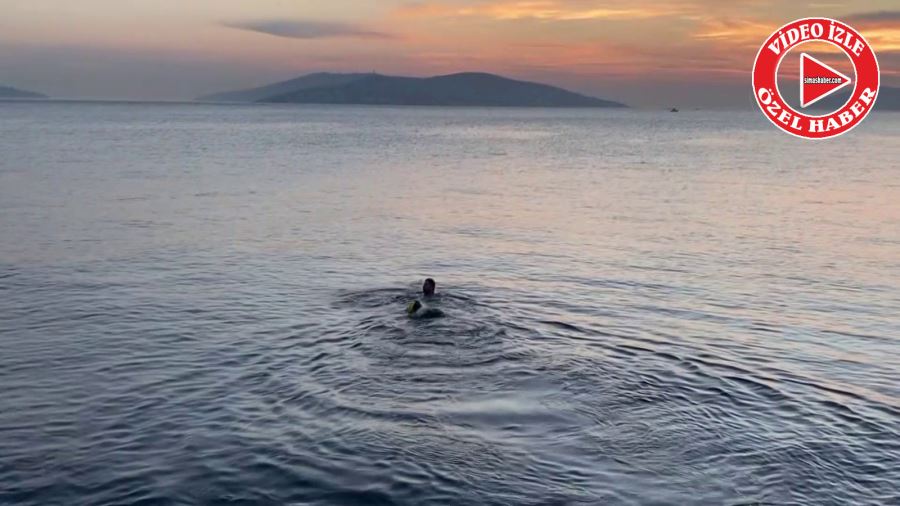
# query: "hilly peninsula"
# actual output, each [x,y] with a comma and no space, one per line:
[464,89]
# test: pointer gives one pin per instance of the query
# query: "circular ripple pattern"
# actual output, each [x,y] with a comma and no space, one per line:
[205,305]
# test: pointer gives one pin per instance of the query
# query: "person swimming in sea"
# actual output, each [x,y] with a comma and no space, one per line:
[419,309]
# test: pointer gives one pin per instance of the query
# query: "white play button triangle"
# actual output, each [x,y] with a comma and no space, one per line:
[818,80]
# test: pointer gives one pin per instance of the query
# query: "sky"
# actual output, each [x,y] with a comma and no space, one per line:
[650,53]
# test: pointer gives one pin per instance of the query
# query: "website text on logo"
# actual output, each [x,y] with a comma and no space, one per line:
[817,80]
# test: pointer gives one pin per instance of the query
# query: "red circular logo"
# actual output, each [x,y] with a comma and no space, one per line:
[817,79]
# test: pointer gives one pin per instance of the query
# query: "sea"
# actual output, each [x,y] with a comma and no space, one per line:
[206,304]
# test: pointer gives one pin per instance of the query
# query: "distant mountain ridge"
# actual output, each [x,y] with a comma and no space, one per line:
[463,89]
[316,80]
[10,92]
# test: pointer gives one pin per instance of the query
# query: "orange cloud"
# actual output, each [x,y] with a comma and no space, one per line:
[883,39]
[556,10]
[881,29]
[882,33]
[734,31]
[687,40]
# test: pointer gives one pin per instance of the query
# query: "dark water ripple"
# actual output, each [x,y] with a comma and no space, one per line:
[231,401]
[176,329]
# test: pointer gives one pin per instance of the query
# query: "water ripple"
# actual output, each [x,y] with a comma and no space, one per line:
[189,319]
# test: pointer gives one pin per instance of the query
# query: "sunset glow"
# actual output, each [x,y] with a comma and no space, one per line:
[650,53]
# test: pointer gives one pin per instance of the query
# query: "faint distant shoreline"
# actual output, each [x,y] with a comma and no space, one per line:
[200,103]
[10,93]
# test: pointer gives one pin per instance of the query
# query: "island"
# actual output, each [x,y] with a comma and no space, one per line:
[463,89]
[10,92]
[317,80]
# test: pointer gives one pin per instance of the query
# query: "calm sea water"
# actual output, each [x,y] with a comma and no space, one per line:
[205,305]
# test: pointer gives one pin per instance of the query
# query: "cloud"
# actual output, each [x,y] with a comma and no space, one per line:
[880,28]
[553,10]
[888,17]
[294,29]
[733,32]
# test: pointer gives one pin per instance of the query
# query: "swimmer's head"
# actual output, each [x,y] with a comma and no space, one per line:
[428,287]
